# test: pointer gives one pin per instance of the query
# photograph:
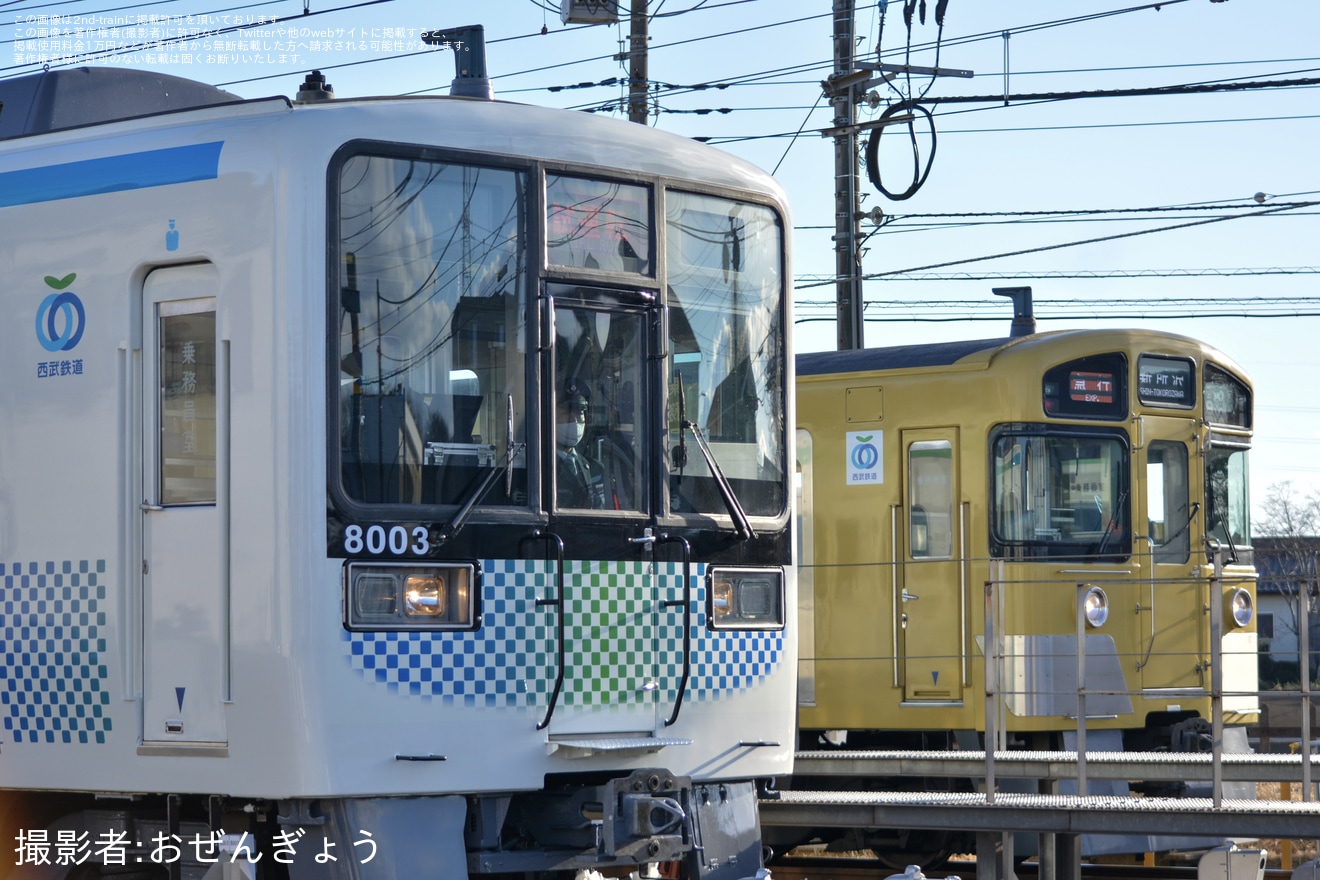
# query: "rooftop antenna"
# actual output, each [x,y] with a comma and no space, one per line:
[469,47]
[1024,319]
[314,89]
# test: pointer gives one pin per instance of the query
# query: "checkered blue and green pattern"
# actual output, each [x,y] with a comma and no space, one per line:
[612,646]
[53,676]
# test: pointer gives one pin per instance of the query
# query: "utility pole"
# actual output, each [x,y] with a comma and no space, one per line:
[846,88]
[638,72]
[841,88]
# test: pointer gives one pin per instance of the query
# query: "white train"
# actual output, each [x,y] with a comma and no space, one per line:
[292,581]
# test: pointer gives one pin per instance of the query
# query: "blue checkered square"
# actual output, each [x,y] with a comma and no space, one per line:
[53,678]
[611,644]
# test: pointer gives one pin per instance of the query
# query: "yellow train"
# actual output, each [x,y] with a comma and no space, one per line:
[947,489]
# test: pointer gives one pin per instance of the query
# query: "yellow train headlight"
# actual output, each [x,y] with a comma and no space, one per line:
[1095,605]
[401,595]
[1239,608]
[745,598]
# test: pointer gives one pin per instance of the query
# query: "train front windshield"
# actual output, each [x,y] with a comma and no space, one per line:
[1060,495]
[1228,410]
[439,339]
[725,367]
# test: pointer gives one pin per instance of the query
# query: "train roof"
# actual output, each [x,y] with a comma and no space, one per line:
[58,99]
[934,354]
[82,109]
[943,354]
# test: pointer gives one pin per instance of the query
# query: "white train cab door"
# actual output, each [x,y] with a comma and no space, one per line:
[930,593]
[611,679]
[184,511]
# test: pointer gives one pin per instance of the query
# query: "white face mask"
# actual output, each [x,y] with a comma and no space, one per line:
[570,433]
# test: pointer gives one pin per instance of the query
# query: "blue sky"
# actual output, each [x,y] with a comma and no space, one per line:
[763,60]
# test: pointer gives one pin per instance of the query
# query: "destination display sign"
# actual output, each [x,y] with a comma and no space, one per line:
[1165,381]
[1091,387]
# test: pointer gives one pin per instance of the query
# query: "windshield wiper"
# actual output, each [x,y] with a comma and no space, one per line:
[740,523]
[465,508]
[1232,548]
[1195,509]
[679,459]
[1109,526]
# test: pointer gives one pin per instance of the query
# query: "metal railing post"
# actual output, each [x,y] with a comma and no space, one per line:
[1217,677]
[991,688]
[1081,690]
[1304,661]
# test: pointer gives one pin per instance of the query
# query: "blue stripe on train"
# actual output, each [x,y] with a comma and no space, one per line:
[71,180]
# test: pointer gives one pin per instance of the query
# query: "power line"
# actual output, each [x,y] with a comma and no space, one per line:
[805,281]
[1153,209]
[734,139]
[1094,308]
[1146,91]
[1253,303]
[1043,248]
[921,313]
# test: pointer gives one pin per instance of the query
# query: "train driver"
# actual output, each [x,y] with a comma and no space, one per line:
[580,481]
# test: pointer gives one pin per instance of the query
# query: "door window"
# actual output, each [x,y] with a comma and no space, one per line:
[186,402]
[930,499]
[598,403]
[1168,500]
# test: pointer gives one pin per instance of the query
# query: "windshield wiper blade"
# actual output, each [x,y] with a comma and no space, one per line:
[460,518]
[465,508]
[740,523]
[1232,548]
[1109,526]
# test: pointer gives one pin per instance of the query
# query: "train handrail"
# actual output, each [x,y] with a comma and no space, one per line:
[1082,589]
[559,604]
[1216,673]
[687,619]
[962,592]
[1150,645]
[893,583]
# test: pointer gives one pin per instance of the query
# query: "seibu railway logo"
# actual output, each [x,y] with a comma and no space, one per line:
[63,304]
[60,322]
[865,463]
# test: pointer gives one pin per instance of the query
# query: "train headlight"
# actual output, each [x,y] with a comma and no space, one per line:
[424,595]
[1095,605]
[398,595]
[745,598]
[1240,608]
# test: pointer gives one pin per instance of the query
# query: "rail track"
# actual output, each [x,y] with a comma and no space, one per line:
[830,868]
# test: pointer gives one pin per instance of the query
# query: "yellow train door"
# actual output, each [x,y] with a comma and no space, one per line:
[1170,642]
[930,593]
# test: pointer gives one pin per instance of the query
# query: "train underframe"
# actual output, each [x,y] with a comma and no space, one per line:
[649,822]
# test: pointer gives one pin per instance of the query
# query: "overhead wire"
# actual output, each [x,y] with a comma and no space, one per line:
[908,109]
[1133,234]
[1043,248]
[750,79]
